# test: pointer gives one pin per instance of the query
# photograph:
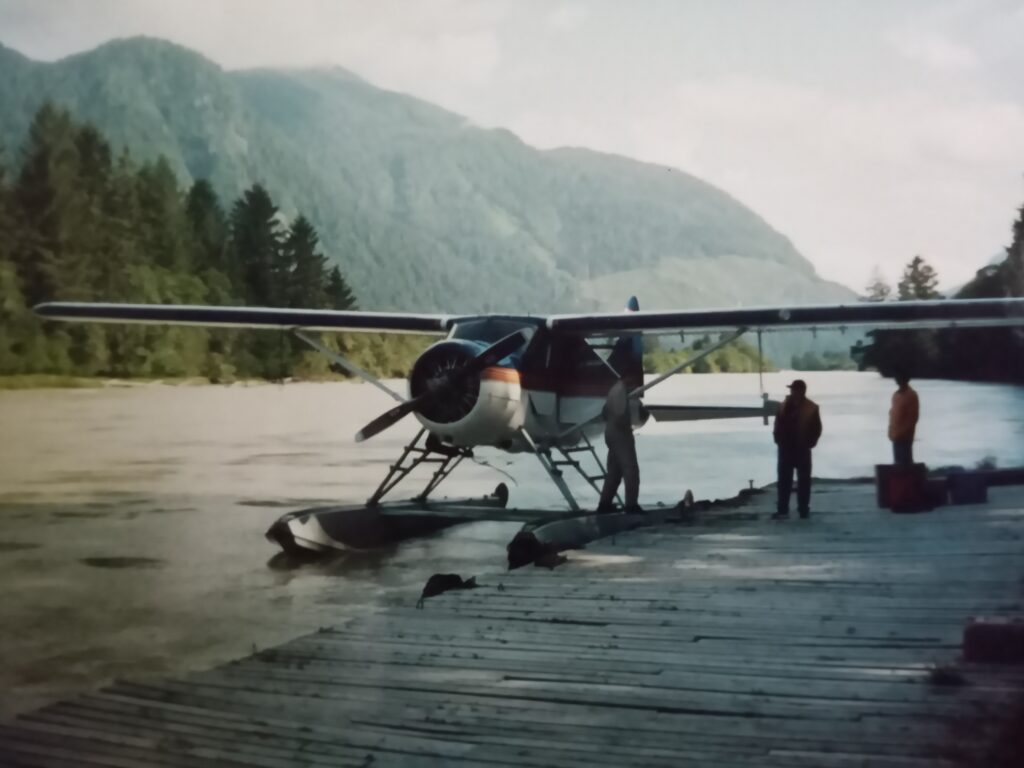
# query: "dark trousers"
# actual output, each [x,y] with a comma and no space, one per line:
[621,466]
[798,459]
[903,452]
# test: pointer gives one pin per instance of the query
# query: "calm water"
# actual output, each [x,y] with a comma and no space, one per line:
[133,518]
[960,424]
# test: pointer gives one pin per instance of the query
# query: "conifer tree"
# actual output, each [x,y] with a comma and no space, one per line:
[256,242]
[209,229]
[307,286]
[7,233]
[877,289]
[919,281]
[162,217]
[12,304]
[1013,267]
[917,353]
[339,295]
[95,164]
[54,208]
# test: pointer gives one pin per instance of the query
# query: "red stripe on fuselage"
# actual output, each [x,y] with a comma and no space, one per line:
[497,373]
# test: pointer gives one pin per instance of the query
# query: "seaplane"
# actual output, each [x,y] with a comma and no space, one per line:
[518,383]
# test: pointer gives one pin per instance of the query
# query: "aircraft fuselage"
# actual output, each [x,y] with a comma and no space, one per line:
[544,389]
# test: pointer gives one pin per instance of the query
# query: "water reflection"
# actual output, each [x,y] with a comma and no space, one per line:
[338,564]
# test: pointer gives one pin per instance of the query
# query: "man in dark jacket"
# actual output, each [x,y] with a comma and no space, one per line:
[797,430]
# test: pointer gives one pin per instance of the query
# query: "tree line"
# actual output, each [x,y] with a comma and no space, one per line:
[829,360]
[81,223]
[978,354]
[736,357]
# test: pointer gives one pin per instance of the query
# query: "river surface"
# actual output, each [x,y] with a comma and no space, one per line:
[133,517]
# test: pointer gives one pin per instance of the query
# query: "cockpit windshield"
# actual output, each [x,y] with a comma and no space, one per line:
[490,329]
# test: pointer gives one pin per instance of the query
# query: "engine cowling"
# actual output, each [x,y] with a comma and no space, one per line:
[437,361]
[485,409]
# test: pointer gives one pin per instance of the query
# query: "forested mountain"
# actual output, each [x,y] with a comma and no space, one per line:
[419,208]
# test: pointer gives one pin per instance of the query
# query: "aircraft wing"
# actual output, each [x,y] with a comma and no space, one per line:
[247,317]
[888,314]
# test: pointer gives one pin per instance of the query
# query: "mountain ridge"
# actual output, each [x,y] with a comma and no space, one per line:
[421,208]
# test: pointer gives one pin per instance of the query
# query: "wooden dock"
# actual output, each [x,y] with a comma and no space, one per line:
[731,641]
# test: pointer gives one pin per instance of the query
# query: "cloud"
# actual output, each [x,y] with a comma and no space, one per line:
[393,42]
[934,51]
[856,179]
[567,16]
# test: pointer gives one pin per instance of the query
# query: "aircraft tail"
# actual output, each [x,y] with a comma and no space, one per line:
[627,356]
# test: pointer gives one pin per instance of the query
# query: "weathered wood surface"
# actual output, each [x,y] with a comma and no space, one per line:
[728,642]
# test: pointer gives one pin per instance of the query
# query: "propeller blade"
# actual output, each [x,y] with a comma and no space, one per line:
[500,349]
[389,418]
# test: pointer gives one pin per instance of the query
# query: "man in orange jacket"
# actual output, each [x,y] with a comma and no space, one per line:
[903,421]
[797,430]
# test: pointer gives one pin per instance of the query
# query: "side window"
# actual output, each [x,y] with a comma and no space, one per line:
[535,357]
[489,330]
[578,362]
[627,358]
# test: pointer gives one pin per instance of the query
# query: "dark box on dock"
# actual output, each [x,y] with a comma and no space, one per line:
[882,472]
[968,487]
[994,640]
[937,491]
[905,489]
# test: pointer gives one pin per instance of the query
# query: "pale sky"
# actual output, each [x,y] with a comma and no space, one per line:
[867,131]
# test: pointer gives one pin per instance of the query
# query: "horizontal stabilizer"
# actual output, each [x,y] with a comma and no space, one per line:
[702,412]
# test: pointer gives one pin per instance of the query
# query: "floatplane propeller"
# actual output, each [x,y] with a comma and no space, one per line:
[445,382]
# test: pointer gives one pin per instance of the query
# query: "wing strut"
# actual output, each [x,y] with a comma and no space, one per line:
[671,372]
[348,365]
[687,363]
[760,365]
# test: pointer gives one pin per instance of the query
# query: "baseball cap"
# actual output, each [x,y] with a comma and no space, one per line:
[798,385]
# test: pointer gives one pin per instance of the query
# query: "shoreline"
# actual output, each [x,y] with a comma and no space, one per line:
[20,382]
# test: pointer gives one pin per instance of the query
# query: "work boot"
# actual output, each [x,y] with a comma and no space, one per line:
[605,509]
[780,516]
[634,509]
[804,514]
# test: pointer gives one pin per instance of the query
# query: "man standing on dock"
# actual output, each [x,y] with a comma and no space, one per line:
[622,464]
[627,360]
[797,430]
[903,421]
